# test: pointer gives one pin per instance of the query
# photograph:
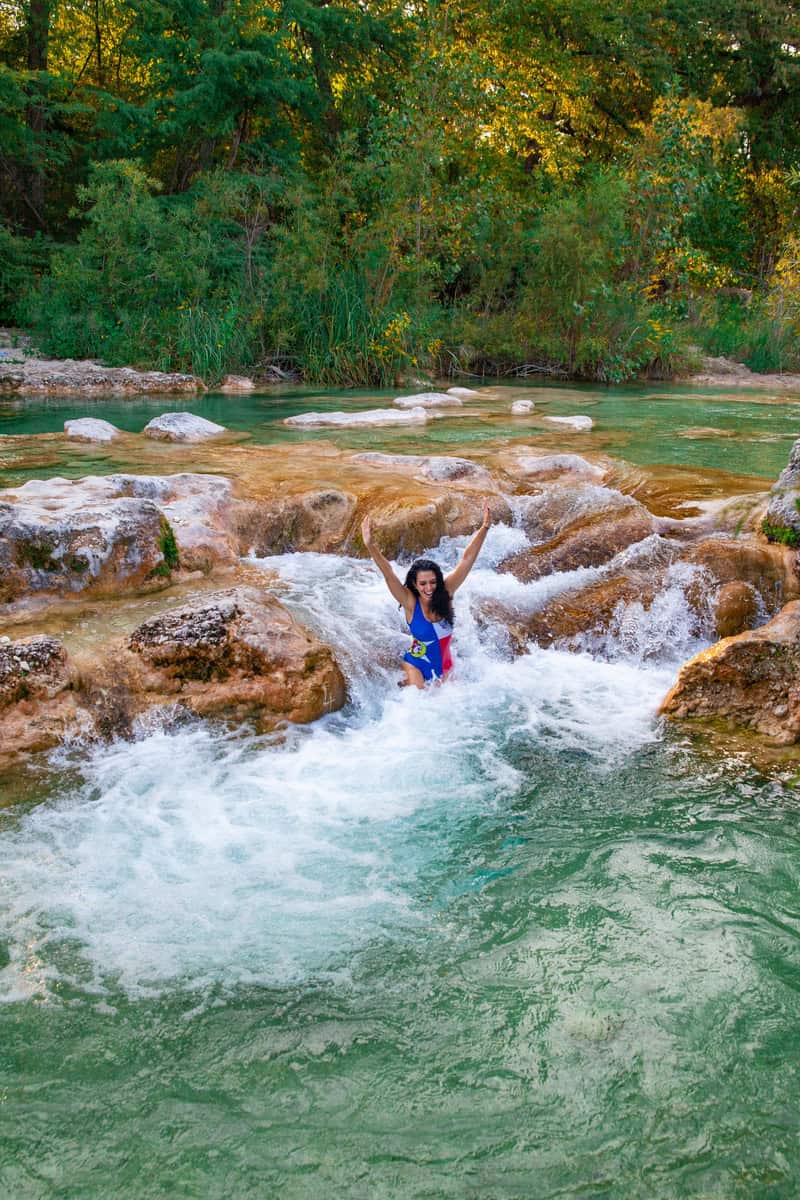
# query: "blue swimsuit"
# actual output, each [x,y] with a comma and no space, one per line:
[430,646]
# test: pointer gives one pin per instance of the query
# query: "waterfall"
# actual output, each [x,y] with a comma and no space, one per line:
[197,855]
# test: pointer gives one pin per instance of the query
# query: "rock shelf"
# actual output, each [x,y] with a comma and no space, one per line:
[105,540]
[31,375]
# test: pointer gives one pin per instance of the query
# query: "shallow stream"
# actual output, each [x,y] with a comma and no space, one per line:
[508,939]
[670,424]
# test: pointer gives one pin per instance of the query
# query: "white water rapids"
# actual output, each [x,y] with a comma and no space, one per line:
[198,856]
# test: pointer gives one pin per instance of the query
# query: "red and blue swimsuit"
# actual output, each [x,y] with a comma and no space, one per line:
[430,646]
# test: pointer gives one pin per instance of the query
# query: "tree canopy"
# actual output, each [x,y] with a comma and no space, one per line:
[359,189]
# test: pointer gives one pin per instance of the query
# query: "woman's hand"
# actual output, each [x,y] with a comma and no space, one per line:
[487,514]
[366,532]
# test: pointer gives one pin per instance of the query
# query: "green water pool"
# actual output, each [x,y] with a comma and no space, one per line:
[594,990]
[668,424]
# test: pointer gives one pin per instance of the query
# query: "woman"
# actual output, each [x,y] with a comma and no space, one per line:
[426,598]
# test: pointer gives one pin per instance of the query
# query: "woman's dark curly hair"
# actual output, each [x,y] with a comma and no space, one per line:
[441,603]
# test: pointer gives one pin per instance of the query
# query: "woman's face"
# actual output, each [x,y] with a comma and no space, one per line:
[426,584]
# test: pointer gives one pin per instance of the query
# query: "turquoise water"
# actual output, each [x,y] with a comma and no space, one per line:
[645,425]
[507,939]
[591,989]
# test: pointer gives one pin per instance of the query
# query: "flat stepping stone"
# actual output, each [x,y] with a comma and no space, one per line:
[90,429]
[372,416]
[428,400]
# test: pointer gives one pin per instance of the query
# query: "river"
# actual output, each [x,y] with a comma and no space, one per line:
[509,938]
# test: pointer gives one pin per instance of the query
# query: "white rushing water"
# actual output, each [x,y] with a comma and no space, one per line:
[200,856]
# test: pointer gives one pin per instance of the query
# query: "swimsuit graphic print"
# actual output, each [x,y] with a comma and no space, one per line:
[420,649]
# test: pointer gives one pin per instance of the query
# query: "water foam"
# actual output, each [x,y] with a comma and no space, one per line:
[202,856]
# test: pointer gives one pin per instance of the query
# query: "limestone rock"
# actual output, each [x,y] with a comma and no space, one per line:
[768,569]
[202,514]
[31,667]
[434,467]
[37,704]
[237,383]
[735,608]
[73,377]
[570,614]
[725,372]
[579,423]
[783,508]
[60,536]
[182,427]
[316,520]
[429,400]
[372,416]
[569,503]
[404,528]
[751,680]
[520,407]
[555,465]
[91,429]
[236,654]
[464,393]
[103,534]
[588,543]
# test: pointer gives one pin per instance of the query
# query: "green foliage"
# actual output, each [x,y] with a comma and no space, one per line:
[366,191]
[786,535]
[36,553]
[168,547]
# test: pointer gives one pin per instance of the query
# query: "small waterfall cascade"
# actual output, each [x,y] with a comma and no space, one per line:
[196,854]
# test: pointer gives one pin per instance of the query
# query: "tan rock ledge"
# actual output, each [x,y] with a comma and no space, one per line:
[751,680]
[234,655]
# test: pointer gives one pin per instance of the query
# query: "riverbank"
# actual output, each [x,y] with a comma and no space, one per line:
[24,371]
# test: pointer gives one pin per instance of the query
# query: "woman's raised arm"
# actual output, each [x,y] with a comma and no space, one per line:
[456,577]
[401,593]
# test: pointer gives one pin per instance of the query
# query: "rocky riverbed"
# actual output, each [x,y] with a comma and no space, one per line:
[157,565]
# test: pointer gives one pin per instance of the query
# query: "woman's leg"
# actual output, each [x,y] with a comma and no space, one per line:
[413,676]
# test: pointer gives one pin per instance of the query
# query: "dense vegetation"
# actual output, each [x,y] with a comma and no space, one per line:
[365,190]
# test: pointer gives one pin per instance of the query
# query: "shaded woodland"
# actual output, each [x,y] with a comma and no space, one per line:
[363,192]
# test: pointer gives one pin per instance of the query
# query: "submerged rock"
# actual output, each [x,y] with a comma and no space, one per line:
[236,654]
[751,680]
[520,407]
[557,464]
[182,427]
[237,383]
[579,423]
[435,467]
[91,429]
[429,400]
